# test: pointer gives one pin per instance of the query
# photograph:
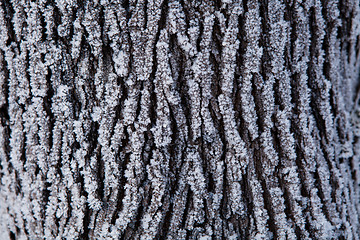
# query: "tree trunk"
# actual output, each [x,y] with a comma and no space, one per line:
[179,119]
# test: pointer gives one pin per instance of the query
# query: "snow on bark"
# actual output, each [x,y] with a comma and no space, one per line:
[169,119]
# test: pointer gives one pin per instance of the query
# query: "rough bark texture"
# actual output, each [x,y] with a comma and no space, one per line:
[179,119]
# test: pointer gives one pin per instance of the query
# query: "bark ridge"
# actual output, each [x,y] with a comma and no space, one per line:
[179,119]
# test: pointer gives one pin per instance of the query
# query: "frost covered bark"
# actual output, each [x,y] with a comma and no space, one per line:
[179,119]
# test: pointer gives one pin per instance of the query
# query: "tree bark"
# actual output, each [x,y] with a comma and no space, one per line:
[179,119]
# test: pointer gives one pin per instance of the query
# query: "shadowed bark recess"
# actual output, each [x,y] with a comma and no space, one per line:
[179,119]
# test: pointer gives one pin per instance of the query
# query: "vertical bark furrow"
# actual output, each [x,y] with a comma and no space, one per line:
[179,119]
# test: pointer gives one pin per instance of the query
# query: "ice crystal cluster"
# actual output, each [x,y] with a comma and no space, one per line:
[179,119]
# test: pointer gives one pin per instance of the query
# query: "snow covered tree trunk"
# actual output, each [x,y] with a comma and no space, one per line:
[179,119]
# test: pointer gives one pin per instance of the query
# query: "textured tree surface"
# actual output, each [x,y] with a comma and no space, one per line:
[179,119]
